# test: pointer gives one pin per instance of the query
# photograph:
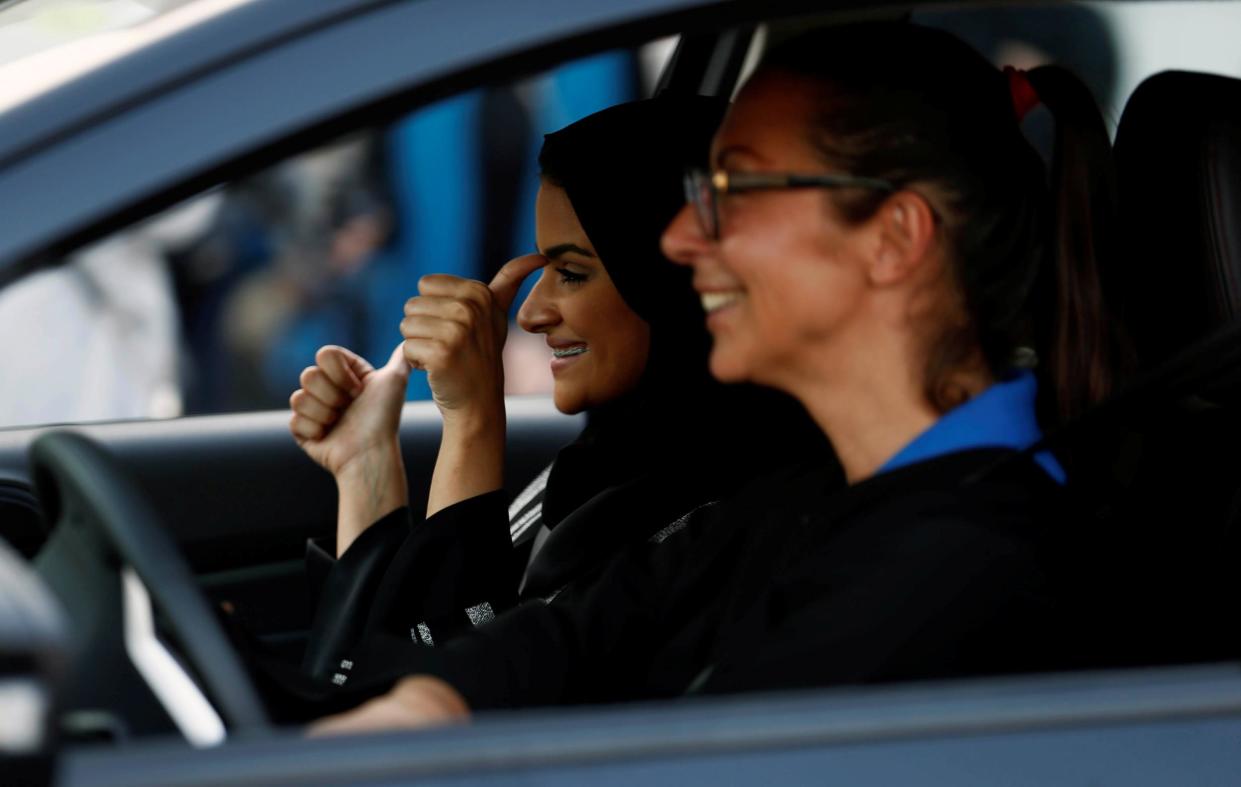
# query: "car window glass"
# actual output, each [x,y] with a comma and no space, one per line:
[47,43]
[31,26]
[217,304]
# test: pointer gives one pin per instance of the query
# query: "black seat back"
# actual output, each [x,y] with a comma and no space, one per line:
[1178,160]
[1168,522]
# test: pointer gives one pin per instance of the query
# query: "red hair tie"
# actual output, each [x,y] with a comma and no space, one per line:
[1024,96]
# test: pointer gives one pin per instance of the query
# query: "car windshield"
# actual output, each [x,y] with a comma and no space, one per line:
[45,43]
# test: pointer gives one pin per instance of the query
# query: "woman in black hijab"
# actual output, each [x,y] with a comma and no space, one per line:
[630,348]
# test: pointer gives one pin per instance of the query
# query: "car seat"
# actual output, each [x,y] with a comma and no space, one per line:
[1168,518]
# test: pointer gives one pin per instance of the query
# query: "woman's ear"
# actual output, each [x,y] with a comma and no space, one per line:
[904,236]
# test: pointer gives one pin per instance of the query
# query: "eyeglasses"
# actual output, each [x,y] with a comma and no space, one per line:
[703,189]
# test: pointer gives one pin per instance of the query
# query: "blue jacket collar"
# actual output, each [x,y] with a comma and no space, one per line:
[1003,416]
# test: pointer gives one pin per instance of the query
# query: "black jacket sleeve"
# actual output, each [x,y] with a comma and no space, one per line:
[638,629]
[403,578]
[766,597]
[343,589]
[455,570]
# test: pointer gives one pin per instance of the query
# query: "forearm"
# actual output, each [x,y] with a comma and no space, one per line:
[470,460]
[371,486]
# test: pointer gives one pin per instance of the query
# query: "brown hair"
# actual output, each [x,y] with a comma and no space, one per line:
[918,107]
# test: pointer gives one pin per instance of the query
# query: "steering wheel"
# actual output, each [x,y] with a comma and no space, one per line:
[109,559]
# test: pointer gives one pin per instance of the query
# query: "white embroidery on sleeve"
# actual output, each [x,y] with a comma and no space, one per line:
[423,632]
[679,525]
[480,614]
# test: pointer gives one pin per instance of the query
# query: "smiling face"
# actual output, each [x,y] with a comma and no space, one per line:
[787,277]
[600,346]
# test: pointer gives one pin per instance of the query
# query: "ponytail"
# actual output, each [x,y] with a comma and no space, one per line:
[1082,349]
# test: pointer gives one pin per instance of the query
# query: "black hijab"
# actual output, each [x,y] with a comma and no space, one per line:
[622,169]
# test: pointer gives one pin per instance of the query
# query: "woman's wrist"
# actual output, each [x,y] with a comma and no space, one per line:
[476,422]
[369,486]
[470,460]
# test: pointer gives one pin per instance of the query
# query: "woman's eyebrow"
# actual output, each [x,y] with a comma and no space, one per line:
[561,249]
[732,151]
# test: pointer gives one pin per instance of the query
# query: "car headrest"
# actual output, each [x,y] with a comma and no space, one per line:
[1178,167]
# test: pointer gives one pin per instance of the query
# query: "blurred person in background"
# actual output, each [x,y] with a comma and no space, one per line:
[114,349]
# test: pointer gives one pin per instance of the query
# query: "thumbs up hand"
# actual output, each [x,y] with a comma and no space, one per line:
[345,408]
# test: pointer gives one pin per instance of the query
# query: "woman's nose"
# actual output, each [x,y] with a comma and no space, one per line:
[683,239]
[538,313]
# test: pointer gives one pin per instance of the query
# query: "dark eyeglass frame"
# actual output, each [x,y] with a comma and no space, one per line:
[703,189]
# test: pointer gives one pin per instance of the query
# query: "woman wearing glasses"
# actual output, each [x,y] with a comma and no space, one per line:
[876,238]
[628,348]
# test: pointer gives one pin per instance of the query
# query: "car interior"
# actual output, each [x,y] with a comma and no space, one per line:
[198,524]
